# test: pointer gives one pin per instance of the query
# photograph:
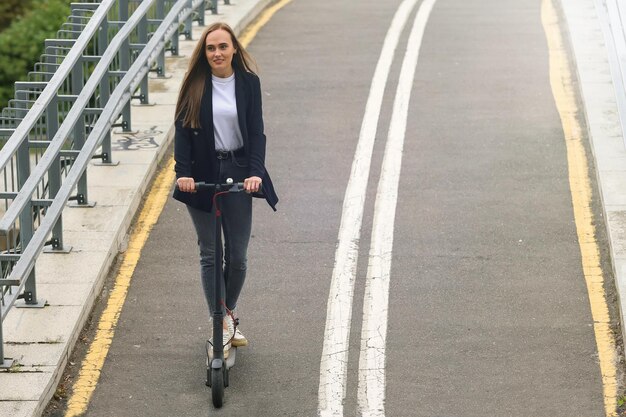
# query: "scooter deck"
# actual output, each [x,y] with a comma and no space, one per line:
[232,355]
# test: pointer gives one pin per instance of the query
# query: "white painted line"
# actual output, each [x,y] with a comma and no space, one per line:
[334,361]
[371,388]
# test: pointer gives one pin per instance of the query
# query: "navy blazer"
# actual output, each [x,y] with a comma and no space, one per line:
[194,149]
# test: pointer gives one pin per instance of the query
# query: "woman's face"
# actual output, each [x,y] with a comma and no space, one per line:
[219,51]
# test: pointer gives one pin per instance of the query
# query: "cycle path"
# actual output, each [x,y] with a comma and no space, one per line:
[484,162]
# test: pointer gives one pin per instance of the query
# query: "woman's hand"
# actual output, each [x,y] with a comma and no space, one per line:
[252,184]
[186,184]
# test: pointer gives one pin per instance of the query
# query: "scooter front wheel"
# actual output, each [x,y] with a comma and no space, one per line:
[217,387]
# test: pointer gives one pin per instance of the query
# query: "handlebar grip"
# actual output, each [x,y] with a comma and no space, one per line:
[230,187]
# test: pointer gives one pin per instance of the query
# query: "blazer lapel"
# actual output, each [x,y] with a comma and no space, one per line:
[240,98]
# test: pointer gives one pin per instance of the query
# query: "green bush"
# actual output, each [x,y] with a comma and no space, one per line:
[22,42]
[10,10]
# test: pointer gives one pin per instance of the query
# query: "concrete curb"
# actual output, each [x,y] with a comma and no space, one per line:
[604,129]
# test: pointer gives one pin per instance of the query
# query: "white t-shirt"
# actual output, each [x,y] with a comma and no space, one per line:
[225,122]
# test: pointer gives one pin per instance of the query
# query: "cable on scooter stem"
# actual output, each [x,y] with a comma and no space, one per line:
[229,186]
[218,212]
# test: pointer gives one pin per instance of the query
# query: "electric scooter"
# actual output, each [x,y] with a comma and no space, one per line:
[217,366]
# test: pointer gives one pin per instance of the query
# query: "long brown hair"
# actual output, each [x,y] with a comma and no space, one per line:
[192,88]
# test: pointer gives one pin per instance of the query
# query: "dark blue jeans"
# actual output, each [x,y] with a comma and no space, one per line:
[236,221]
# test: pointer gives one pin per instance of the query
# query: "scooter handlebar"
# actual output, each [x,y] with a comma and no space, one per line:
[228,186]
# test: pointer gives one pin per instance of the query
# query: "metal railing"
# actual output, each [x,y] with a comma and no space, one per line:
[213,6]
[61,119]
[612,14]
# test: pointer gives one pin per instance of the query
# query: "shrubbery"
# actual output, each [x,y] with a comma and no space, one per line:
[21,43]
[11,10]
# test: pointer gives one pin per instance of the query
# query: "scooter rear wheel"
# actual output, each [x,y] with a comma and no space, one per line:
[217,387]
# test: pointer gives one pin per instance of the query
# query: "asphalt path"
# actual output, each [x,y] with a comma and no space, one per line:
[488,310]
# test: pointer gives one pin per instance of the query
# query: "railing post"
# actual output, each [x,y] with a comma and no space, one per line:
[201,10]
[5,363]
[175,41]
[77,82]
[125,64]
[54,175]
[76,86]
[79,136]
[105,156]
[123,4]
[189,21]
[160,15]
[26,220]
[142,28]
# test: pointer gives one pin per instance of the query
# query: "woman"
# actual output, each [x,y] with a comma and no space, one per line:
[219,135]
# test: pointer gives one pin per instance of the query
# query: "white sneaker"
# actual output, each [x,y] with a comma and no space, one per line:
[239,339]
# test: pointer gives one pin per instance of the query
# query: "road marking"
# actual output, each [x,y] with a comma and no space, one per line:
[250,32]
[565,97]
[371,389]
[89,374]
[334,361]
[94,360]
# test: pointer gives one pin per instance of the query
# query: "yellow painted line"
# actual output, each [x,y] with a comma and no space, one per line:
[250,32]
[561,80]
[91,366]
